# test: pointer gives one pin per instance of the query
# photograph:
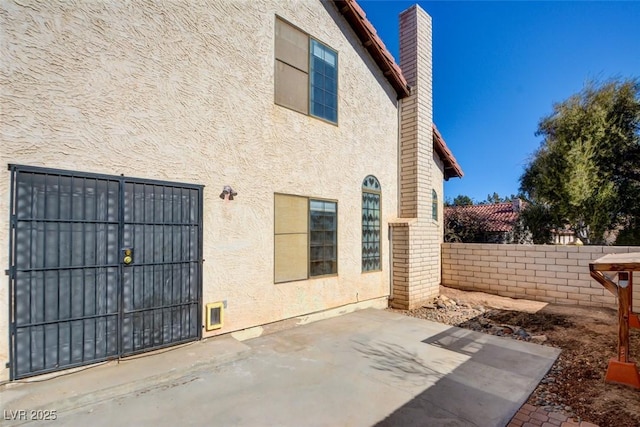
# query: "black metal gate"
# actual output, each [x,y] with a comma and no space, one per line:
[100,267]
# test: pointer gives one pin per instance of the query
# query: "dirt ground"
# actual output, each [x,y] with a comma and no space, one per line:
[588,338]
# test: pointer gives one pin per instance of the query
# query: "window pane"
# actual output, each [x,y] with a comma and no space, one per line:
[318,110]
[330,72]
[291,88]
[292,46]
[330,58]
[318,66]
[331,114]
[330,101]
[290,257]
[323,82]
[323,238]
[291,220]
[317,96]
[291,214]
[371,183]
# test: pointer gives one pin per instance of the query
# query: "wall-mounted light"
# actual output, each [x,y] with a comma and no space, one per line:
[228,193]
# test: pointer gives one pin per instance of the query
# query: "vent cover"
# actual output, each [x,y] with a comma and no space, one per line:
[215,315]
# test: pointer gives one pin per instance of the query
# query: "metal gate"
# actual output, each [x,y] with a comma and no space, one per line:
[100,267]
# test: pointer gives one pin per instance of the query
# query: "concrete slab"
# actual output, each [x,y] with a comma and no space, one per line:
[370,367]
[90,385]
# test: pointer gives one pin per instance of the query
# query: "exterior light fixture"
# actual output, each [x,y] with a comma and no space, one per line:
[228,193]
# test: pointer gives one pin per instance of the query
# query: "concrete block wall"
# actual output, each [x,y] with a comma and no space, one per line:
[548,273]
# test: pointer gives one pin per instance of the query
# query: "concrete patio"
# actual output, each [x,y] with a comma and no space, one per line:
[370,367]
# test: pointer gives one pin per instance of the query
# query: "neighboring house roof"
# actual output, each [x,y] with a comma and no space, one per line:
[500,217]
[367,34]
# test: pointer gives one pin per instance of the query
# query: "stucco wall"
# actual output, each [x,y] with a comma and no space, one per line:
[549,273]
[183,91]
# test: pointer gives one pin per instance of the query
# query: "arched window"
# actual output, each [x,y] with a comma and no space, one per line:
[371,224]
[434,205]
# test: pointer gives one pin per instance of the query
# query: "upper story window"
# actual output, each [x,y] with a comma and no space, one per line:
[323,82]
[306,73]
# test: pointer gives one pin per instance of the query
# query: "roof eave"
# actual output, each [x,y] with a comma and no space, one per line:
[367,34]
[365,31]
[451,167]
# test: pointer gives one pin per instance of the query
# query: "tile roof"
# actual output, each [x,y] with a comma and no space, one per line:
[367,34]
[500,217]
[451,167]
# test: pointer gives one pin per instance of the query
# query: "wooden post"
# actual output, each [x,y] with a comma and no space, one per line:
[621,369]
[624,299]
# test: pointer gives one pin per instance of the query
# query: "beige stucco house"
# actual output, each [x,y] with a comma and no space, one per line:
[178,170]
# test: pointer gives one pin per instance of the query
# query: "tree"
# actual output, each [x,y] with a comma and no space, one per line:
[495,198]
[465,226]
[462,200]
[536,223]
[586,172]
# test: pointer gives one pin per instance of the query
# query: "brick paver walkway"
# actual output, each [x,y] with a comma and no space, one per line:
[537,416]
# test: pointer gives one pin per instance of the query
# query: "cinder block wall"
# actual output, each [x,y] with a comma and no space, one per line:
[548,273]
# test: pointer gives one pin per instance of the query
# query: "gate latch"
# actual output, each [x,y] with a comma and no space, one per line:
[127,256]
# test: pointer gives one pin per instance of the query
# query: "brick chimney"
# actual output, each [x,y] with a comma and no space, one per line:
[416,111]
[417,236]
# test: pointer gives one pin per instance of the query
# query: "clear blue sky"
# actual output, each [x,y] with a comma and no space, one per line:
[498,68]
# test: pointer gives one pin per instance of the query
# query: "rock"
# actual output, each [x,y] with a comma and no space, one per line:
[429,306]
[443,298]
[522,334]
[538,339]
[441,305]
[506,329]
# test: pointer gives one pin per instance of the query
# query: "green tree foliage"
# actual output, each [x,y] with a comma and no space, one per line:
[536,223]
[495,198]
[586,173]
[465,226]
[462,200]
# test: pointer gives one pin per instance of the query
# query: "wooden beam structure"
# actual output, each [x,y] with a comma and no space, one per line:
[622,369]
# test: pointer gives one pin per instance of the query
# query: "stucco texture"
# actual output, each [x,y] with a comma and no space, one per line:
[183,91]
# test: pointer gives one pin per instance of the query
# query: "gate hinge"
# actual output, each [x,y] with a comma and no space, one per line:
[11,272]
[7,365]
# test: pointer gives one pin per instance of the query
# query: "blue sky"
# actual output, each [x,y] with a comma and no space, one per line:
[500,66]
